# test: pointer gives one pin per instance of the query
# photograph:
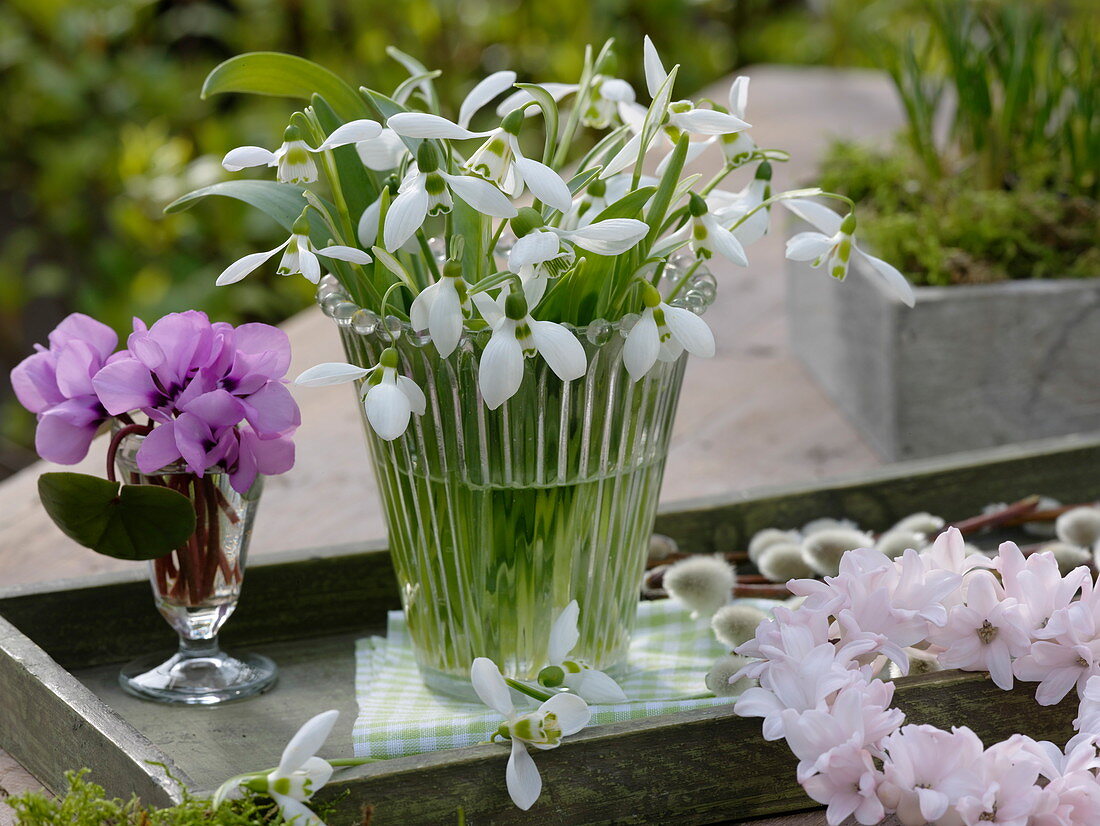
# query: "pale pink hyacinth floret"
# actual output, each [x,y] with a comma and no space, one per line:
[818,667]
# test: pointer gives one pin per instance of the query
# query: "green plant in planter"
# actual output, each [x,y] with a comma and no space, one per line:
[997,170]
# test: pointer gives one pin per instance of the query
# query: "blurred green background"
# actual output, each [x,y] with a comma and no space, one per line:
[103,125]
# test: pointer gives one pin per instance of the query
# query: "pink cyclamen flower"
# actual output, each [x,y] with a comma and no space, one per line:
[56,384]
[929,770]
[848,785]
[985,634]
[216,394]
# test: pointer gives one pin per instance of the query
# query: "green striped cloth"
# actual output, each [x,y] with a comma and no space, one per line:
[670,655]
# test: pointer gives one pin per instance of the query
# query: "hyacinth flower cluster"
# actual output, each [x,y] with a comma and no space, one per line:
[531,227]
[213,398]
[820,669]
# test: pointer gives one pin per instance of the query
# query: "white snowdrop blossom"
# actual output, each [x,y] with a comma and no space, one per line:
[561,715]
[834,245]
[389,399]
[517,336]
[742,212]
[682,116]
[576,675]
[299,775]
[544,253]
[738,147]
[664,332]
[293,159]
[299,256]
[708,236]
[441,309]
[501,160]
[427,189]
[382,153]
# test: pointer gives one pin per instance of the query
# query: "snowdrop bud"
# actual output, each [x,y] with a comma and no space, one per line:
[735,624]
[827,524]
[822,550]
[922,522]
[702,583]
[427,159]
[895,542]
[1068,556]
[783,561]
[762,540]
[1080,527]
[513,121]
[528,219]
[920,662]
[718,678]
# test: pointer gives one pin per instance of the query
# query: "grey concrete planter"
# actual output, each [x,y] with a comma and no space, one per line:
[967,367]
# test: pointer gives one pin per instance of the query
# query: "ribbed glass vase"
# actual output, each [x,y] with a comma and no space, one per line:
[498,518]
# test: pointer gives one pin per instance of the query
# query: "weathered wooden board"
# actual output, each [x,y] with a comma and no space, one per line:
[60,645]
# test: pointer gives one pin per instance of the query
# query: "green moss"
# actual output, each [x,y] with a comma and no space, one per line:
[85,804]
[951,231]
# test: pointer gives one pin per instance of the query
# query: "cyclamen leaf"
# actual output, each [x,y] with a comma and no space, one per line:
[283,75]
[133,522]
[283,202]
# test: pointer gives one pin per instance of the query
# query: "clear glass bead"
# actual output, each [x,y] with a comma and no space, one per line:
[627,323]
[439,248]
[694,302]
[394,326]
[343,313]
[600,331]
[331,302]
[364,322]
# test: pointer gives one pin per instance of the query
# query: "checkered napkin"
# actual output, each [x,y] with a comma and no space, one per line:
[670,655]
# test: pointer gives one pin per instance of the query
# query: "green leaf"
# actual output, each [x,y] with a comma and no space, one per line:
[283,202]
[390,262]
[283,75]
[628,206]
[549,108]
[409,85]
[415,67]
[122,521]
[583,179]
[655,217]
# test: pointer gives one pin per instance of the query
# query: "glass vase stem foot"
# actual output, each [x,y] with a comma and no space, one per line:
[199,673]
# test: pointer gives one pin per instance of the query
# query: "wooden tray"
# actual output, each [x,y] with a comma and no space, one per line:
[61,643]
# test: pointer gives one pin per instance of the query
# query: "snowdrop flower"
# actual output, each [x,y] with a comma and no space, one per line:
[483,93]
[664,332]
[299,256]
[299,775]
[680,117]
[834,243]
[501,160]
[701,582]
[542,253]
[561,715]
[708,236]
[389,399]
[593,686]
[441,307]
[610,96]
[426,190]
[293,158]
[382,153]
[985,634]
[738,147]
[517,336]
[738,210]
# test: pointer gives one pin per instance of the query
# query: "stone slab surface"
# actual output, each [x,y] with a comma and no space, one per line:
[749,417]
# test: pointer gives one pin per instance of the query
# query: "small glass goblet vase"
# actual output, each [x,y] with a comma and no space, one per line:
[196,588]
